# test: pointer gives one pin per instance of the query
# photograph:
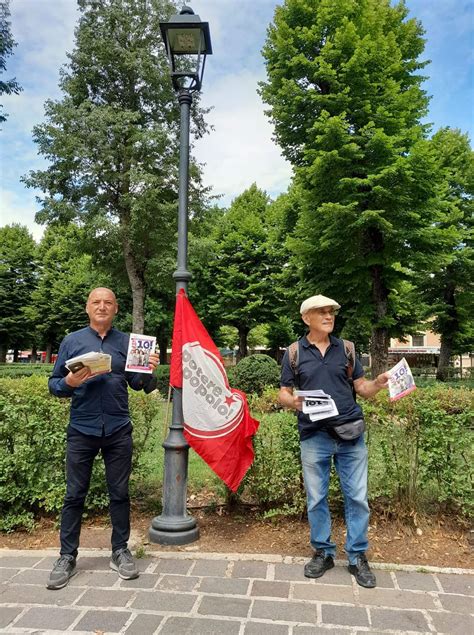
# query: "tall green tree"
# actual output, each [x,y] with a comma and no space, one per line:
[203,236]
[344,92]
[447,286]
[240,266]
[7,43]
[112,140]
[65,277]
[285,324]
[17,282]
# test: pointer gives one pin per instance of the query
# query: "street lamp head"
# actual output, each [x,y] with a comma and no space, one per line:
[187,42]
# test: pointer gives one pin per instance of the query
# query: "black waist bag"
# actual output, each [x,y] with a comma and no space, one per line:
[348,431]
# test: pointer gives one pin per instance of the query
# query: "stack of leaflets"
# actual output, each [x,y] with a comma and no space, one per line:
[138,355]
[317,404]
[401,380]
[96,362]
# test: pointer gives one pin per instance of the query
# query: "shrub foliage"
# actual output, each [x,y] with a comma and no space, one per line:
[420,452]
[254,373]
[33,450]
[25,370]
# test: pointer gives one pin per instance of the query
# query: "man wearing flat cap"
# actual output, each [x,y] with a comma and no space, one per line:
[320,361]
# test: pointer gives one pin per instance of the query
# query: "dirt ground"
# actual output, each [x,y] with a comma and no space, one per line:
[427,541]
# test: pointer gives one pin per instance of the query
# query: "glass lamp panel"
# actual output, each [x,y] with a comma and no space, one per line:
[186,41]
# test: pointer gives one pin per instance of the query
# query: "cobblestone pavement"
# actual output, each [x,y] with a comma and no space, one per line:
[241,594]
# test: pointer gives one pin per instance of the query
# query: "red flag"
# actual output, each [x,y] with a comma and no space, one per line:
[217,421]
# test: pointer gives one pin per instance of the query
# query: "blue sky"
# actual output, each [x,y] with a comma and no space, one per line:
[240,151]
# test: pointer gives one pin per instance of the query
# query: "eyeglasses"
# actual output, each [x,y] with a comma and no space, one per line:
[331,312]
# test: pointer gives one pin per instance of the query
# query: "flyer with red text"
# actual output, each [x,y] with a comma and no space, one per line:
[138,355]
[401,380]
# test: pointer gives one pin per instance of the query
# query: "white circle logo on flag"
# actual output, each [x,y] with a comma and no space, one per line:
[210,407]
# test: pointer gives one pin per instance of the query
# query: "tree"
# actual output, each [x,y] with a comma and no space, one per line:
[447,286]
[285,324]
[241,265]
[345,98]
[66,275]
[7,44]
[203,238]
[17,282]
[112,140]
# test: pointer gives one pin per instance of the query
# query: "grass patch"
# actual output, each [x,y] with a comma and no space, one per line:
[149,483]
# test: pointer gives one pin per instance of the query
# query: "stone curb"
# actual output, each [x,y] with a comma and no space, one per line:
[260,557]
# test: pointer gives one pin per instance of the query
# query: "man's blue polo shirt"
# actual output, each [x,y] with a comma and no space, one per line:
[100,405]
[326,373]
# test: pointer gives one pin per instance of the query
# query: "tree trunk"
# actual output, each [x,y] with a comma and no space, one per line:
[34,354]
[445,352]
[49,352]
[243,347]
[3,354]
[15,355]
[379,351]
[447,340]
[163,346]
[137,283]
[380,338]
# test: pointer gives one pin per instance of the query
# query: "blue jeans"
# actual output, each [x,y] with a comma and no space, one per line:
[117,454]
[350,461]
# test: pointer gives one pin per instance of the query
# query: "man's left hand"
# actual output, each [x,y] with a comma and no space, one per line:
[153,360]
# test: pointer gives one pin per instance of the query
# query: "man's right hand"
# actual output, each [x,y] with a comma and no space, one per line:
[76,379]
[288,399]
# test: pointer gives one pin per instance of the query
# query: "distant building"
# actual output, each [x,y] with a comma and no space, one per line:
[422,350]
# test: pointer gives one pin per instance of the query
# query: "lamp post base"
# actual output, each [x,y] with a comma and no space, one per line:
[164,531]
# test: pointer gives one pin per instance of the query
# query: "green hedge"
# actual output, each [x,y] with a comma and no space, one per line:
[254,373]
[25,370]
[162,374]
[420,453]
[33,446]
[17,371]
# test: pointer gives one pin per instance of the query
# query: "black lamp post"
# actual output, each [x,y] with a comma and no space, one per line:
[188,42]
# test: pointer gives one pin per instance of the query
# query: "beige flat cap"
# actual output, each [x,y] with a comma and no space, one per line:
[317,302]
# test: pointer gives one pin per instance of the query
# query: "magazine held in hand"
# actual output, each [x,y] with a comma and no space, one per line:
[139,349]
[401,380]
[317,404]
[96,362]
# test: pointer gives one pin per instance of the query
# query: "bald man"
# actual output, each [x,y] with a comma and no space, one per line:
[99,422]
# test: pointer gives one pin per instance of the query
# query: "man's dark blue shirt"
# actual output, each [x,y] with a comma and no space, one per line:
[99,406]
[328,373]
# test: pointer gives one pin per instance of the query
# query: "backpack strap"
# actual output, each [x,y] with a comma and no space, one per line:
[349,350]
[293,357]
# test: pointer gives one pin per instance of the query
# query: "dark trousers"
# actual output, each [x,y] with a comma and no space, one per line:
[117,455]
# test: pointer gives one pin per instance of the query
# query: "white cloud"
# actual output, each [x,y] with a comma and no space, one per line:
[24,111]
[240,150]
[18,209]
[44,31]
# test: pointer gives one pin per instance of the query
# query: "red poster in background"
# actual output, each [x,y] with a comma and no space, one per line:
[217,421]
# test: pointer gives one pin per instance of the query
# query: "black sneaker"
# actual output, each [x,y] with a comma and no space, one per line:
[362,572]
[63,569]
[122,561]
[318,564]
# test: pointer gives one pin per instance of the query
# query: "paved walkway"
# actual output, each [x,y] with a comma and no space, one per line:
[229,594]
